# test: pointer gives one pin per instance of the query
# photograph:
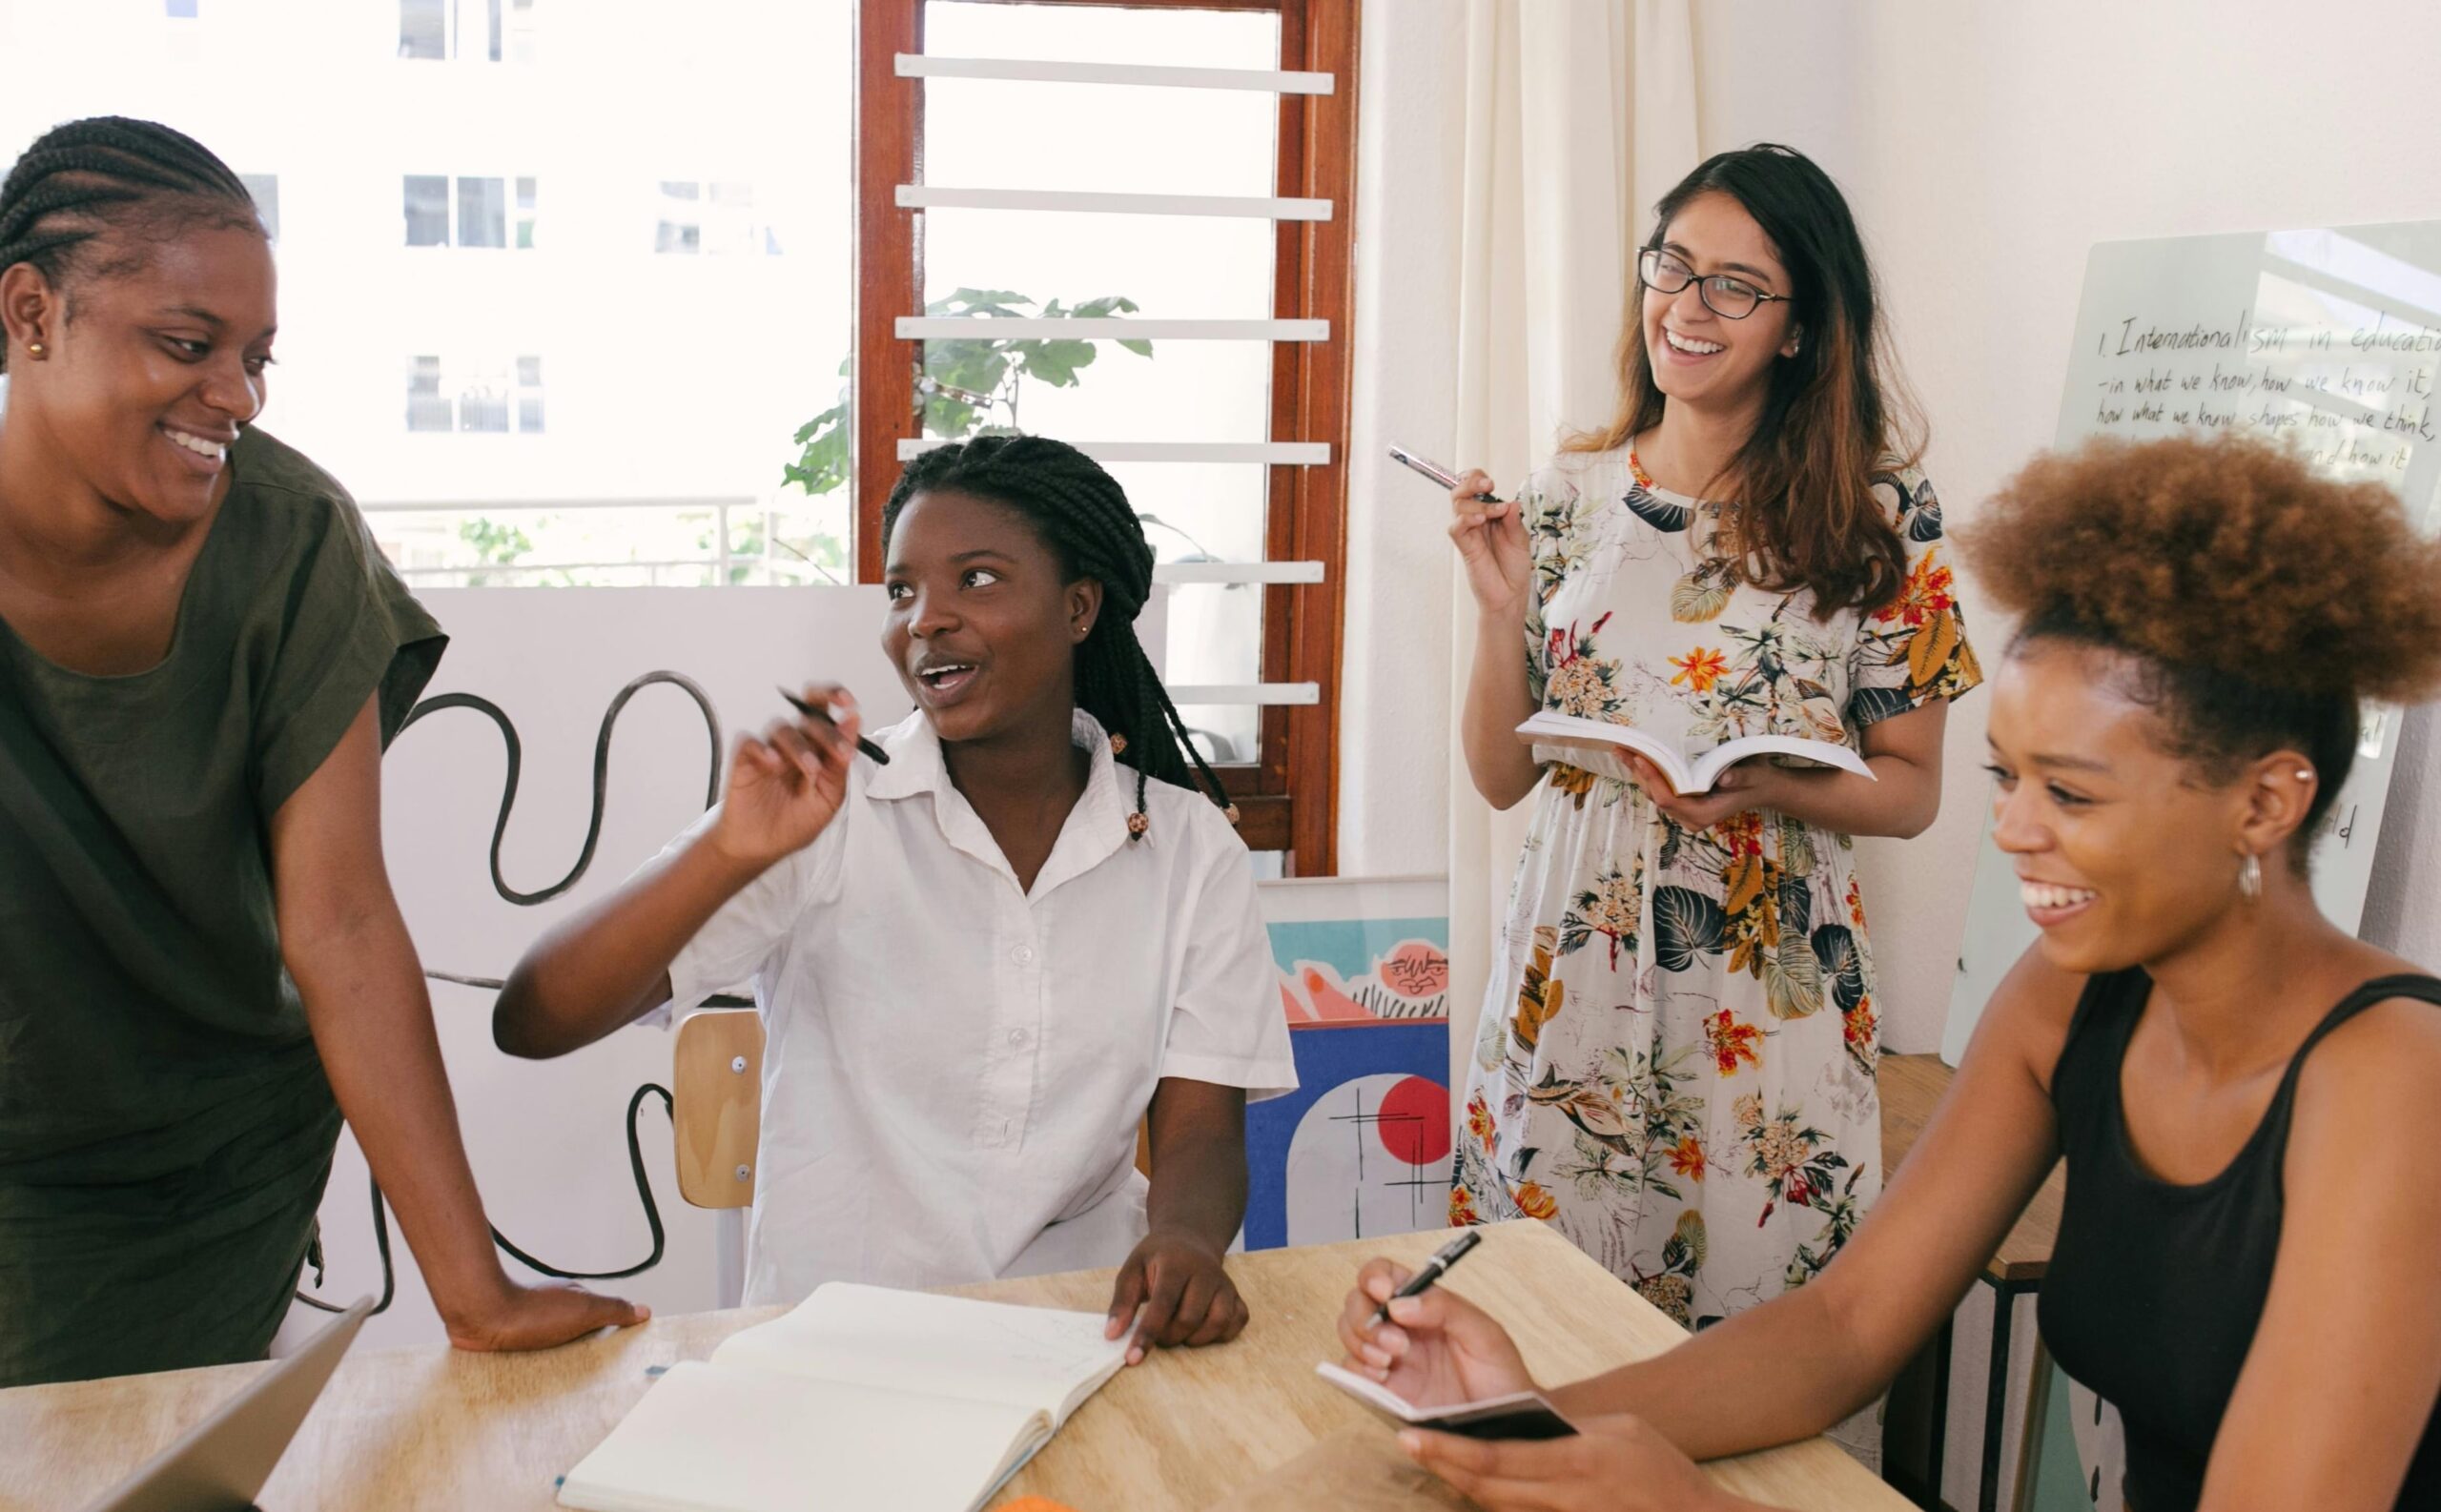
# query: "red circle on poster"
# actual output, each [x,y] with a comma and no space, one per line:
[1414,1121]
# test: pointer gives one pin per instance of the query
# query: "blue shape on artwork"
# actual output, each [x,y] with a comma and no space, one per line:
[1330,1055]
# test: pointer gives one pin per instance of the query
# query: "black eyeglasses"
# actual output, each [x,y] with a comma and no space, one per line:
[1730,298]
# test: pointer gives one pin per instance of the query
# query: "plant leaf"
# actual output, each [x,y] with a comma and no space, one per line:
[1698,597]
[1684,921]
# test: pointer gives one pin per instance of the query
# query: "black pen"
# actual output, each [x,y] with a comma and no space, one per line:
[881,756]
[1448,1255]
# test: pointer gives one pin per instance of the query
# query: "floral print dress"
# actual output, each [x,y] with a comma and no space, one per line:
[1675,1064]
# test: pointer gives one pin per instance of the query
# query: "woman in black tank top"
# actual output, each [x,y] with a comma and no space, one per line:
[2246,1261]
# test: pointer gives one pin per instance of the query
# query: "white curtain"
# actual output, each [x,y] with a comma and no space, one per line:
[1579,115]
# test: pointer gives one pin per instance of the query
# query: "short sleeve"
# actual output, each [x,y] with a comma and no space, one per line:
[735,943]
[1227,1026]
[1914,648]
[346,628]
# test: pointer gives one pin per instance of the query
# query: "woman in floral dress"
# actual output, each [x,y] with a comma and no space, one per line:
[1676,1065]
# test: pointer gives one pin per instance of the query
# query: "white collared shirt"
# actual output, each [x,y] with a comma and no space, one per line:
[953,1070]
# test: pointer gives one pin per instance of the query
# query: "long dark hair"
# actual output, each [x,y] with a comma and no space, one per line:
[1836,419]
[1082,516]
[109,172]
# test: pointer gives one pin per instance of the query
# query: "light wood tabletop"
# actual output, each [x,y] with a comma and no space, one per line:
[1911,1088]
[432,1427]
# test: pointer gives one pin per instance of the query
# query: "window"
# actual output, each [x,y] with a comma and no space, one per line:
[472,30]
[698,216]
[265,187]
[483,212]
[1232,442]
[427,207]
[476,215]
[488,397]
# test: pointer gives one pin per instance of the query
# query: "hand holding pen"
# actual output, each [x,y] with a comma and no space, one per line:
[1437,1348]
[787,782]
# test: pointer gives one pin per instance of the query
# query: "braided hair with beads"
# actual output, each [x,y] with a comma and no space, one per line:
[1083,515]
[87,178]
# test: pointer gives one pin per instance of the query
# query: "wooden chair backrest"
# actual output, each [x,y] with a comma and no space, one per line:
[716,1105]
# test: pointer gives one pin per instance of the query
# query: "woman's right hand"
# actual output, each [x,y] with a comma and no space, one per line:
[1491,540]
[1438,1349]
[786,785]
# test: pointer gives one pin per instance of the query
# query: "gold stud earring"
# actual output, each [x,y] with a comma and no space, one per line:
[37,350]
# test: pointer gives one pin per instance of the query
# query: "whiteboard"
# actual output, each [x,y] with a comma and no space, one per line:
[2329,339]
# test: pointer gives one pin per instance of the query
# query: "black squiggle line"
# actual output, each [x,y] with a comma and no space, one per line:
[601,772]
[585,860]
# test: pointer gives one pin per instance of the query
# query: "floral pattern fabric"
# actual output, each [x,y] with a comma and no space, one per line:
[1675,1064]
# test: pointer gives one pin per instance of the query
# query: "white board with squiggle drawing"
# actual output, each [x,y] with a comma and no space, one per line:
[548,1139]
[2328,338]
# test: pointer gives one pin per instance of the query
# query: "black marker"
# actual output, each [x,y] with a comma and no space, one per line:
[881,756]
[1448,1255]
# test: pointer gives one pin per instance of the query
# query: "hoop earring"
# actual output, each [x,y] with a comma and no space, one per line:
[2250,877]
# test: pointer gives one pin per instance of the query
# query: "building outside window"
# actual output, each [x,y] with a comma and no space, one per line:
[710,216]
[265,187]
[473,31]
[476,215]
[478,397]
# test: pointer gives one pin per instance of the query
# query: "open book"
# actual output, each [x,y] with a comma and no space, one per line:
[860,1398]
[1690,771]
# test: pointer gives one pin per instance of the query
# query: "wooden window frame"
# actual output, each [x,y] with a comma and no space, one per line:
[1288,796]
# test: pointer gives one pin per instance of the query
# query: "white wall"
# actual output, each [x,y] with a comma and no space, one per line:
[1395,715]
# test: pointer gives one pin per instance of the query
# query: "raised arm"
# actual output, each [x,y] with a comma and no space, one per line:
[1500,574]
[356,968]
[608,965]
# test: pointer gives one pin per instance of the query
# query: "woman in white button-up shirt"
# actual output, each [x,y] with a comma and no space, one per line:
[981,964]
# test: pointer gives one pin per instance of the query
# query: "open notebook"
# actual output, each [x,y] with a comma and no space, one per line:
[1690,769]
[860,1398]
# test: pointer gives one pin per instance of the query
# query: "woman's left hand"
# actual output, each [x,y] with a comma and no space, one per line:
[1611,1465]
[1739,790]
[1185,1291]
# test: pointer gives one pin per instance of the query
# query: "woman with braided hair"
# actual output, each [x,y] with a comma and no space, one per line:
[983,965]
[201,654]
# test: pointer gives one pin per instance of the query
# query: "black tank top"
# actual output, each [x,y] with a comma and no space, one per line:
[2154,1288]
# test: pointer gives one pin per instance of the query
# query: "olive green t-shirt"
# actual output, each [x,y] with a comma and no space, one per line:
[165,1125]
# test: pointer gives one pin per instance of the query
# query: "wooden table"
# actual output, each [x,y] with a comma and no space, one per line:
[1911,1088]
[431,1427]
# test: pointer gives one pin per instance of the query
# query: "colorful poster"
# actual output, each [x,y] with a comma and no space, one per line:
[1362,1148]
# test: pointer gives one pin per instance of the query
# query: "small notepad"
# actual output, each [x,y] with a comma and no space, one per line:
[860,1398]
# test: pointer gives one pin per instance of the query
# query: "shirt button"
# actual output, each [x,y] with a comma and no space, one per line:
[1023,955]
[1019,1037]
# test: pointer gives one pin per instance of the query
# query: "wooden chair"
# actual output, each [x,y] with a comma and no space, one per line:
[716,1105]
